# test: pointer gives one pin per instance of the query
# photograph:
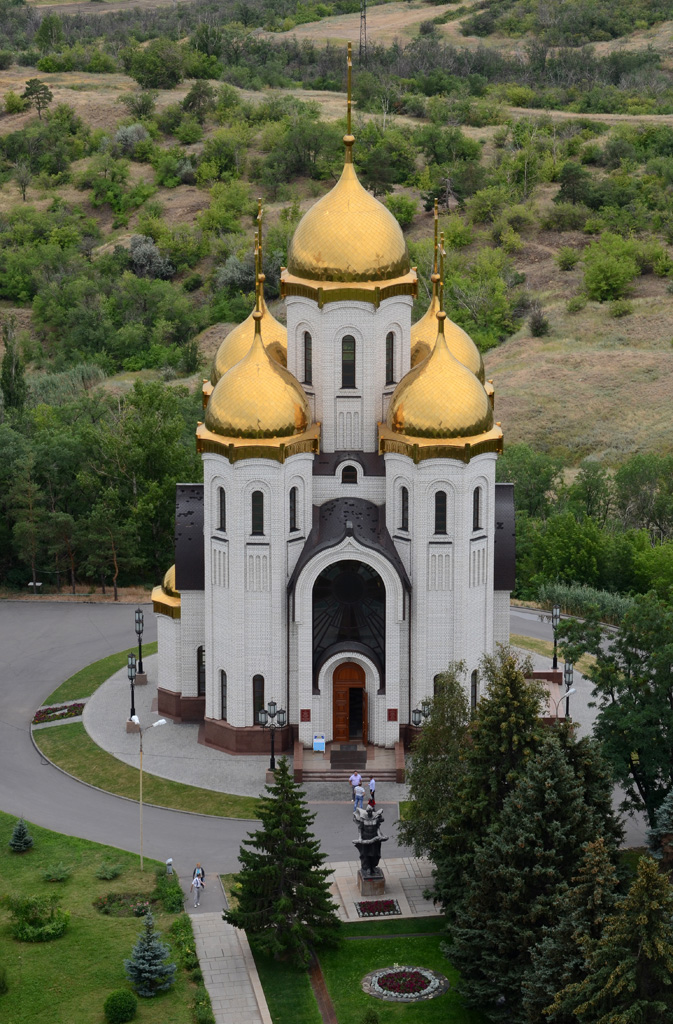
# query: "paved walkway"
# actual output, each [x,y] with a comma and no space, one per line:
[229,971]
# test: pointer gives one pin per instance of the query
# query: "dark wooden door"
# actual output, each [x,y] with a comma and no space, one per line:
[345,676]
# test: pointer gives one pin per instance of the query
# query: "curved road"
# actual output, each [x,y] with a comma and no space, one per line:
[41,644]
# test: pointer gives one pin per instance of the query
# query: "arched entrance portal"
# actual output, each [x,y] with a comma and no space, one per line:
[349,703]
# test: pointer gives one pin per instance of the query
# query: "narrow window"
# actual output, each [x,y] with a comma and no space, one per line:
[349,475]
[474,689]
[201,672]
[404,517]
[440,512]
[257,697]
[435,684]
[390,358]
[223,694]
[293,510]
[348,362]
[308,358]
[257,513]
[222,502]
[476,509]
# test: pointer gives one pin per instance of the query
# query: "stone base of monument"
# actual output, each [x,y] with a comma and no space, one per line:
[372,885]
[141,679]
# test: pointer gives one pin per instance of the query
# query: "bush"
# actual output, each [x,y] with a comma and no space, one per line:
[158,66]
[14,104]
[182,940]
[21,840]
[576,599]
[191,283]
[108,870]
[567,258]
[128,136]
[6,59]
[189,130]
[538,323]
[36,918]
[610,266]
[565,217]
[120,1006]
[576,303]
[169,891]
[402,208]
[457,234]
[620,307]
[57,873]
[203,1013]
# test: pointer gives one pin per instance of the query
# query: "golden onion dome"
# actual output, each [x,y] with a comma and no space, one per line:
[348,235]
[237,343]
[440,397]
[168,585]
[461,346]
[257,397]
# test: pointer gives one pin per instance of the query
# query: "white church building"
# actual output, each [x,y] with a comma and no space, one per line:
[349,540]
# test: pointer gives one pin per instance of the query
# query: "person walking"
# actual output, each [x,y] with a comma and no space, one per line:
[358,794]
[355,780]
[372,790]
[198,886]
[198,870]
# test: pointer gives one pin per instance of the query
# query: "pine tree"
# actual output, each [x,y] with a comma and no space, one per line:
[660,838]
[629,971]
[12,373]
[504,732]
[509,893]
[283,890]
[560,956]
[148,969]
[21,838]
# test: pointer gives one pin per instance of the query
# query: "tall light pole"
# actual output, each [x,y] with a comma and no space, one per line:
[555,619]
[131,670]
[272,712]
[136,721]
[564,696]
[140,625]
[568,676]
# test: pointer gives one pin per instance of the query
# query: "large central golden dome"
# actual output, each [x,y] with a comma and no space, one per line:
[348,235]
[257,397]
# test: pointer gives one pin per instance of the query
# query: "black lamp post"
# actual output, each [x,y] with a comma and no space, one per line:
[131,668]
[568,670]
[267,719]
[140,625]
[555,619]
[419,715]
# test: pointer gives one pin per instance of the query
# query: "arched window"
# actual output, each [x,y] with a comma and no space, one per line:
[435,684]
[349,475]
[348,361]
[390,357]
[308,358]
[257,513]
[222,509]
[223,694]
[257,697]
[404,509]
[476,509]
[201,672]
[293,510]
[474,689]
[440,512]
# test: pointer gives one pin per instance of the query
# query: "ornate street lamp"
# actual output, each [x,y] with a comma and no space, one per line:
[131,669]
[564,696]
[555,619]
[140,625]
[272,717]
[568,676]
[419,715]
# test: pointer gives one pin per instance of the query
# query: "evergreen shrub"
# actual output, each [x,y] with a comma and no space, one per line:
[567,258]
[576,303]
[148,968]
[620,307]
[57,873]
[538,323]
[21,840]
[120,1006]
[109,870]
[577,599]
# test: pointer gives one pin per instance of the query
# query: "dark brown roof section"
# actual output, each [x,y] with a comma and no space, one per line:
[504,570]
[189,545]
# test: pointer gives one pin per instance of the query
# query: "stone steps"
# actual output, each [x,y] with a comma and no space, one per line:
[325,775]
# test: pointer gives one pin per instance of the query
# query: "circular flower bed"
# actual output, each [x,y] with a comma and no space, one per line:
[404,983]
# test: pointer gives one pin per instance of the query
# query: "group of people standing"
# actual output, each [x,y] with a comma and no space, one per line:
[359,790]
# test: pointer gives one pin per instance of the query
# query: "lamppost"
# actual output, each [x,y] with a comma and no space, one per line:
[273,712]
[136,722]
[568,676]
[419,715]
[555,619]
[140,625]
[564,696]
[131,669]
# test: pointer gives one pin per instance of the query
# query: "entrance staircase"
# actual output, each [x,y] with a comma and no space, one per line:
[340,760]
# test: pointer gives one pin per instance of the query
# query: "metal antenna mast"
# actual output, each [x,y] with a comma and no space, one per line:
[363,33]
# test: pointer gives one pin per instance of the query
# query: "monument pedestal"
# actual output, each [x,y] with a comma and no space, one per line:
[131,726]
[141,679]
[372,885]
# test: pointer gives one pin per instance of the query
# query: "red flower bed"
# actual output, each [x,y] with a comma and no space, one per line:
[377,908]
[403,982]
[62,711]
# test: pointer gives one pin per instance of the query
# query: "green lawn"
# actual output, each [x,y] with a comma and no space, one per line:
[288,991]
[66,981]
[88,679]
[71,748]
[546,648]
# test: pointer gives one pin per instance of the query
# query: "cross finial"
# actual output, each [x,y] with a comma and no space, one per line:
[436,230]
[348,91]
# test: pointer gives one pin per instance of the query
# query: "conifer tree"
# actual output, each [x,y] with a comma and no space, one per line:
[21,838]
[503,734]
[509,893]
[148,968]
[283,890]
[629,971]
[582,908]
[660,838]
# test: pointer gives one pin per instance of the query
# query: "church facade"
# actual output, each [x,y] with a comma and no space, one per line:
[349,540]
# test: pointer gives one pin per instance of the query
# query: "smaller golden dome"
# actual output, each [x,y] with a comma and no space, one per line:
[440,397]
[257,397]
[237,343]
[168,585]
[461,346]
